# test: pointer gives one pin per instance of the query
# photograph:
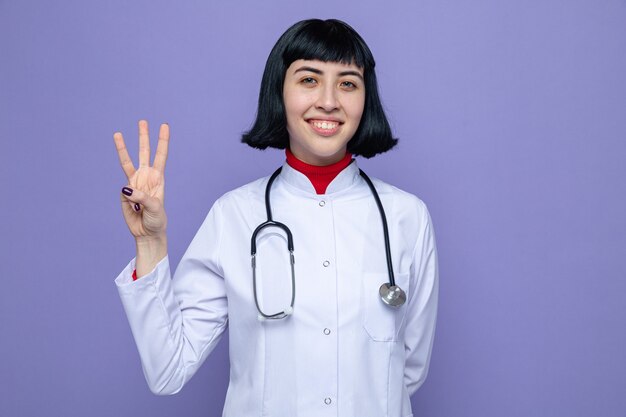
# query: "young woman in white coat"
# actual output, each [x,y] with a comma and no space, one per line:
[330,307]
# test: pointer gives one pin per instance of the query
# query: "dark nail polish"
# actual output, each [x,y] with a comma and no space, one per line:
[127,191]
[136,206]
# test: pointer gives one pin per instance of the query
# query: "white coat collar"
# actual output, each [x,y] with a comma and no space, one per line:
[344,180]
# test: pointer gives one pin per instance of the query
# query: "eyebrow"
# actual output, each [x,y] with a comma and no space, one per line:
[317,71]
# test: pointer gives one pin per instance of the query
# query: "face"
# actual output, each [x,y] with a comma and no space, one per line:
[323,102]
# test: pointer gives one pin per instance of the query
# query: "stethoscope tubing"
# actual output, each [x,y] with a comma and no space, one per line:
[272,223]
[392,280]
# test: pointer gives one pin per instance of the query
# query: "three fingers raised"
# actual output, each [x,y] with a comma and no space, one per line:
[160,157]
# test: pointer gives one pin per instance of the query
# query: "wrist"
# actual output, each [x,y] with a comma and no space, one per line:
[150,251]
[153,248]
[151,241]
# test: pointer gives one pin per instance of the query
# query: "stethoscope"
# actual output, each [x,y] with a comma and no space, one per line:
[389,292]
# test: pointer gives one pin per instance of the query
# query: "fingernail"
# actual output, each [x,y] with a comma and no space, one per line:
[127,191]
[136,206]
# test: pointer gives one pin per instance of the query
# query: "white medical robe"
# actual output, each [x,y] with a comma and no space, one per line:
[343,353]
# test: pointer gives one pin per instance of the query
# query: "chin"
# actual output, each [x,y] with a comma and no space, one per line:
[327,158]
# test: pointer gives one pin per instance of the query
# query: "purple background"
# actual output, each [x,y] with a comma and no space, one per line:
[512,120]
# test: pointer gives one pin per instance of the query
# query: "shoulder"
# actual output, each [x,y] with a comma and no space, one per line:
[400,201]
[238,206]
[242,200]
[407,212]
[252,190]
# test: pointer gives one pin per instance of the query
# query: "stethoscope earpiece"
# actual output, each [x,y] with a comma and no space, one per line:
[392,295]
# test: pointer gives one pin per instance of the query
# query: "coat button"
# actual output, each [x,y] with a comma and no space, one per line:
[322,203]
[326,331]
[326,263]
[327,401]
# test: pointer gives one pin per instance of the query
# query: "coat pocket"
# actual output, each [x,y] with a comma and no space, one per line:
[381,321]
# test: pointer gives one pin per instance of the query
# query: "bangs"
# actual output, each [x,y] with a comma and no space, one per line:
[328,41]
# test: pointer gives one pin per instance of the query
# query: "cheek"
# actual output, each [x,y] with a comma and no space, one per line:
[355,109]
[295,102]
[355,102]
[298,105]
[293,114]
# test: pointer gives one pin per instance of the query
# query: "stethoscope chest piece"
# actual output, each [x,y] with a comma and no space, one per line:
[392,295]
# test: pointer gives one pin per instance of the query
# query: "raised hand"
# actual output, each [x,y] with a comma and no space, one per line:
[143,197]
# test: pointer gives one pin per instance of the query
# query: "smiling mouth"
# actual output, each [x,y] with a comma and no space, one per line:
[324,127]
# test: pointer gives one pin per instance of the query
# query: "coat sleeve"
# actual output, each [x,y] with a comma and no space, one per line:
[422,306]
[177,322]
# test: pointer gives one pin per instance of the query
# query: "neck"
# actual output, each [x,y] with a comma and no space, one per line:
[320,176]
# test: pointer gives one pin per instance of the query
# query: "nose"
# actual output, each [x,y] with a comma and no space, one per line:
[327,98]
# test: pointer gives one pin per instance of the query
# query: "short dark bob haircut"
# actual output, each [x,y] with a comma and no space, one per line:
[328,41]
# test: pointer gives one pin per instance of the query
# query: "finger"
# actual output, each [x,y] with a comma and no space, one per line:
[136,196]
[144,144]
[161,153]
[132,207]
[122,153]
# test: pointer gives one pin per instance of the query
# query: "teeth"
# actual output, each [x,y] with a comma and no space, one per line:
[325,125]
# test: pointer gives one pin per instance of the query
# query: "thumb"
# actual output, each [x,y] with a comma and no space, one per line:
[138,199]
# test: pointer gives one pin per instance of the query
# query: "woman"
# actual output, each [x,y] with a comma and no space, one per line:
[336,348]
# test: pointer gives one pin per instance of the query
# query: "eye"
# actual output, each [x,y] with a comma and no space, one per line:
[308,80]
[348,85]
